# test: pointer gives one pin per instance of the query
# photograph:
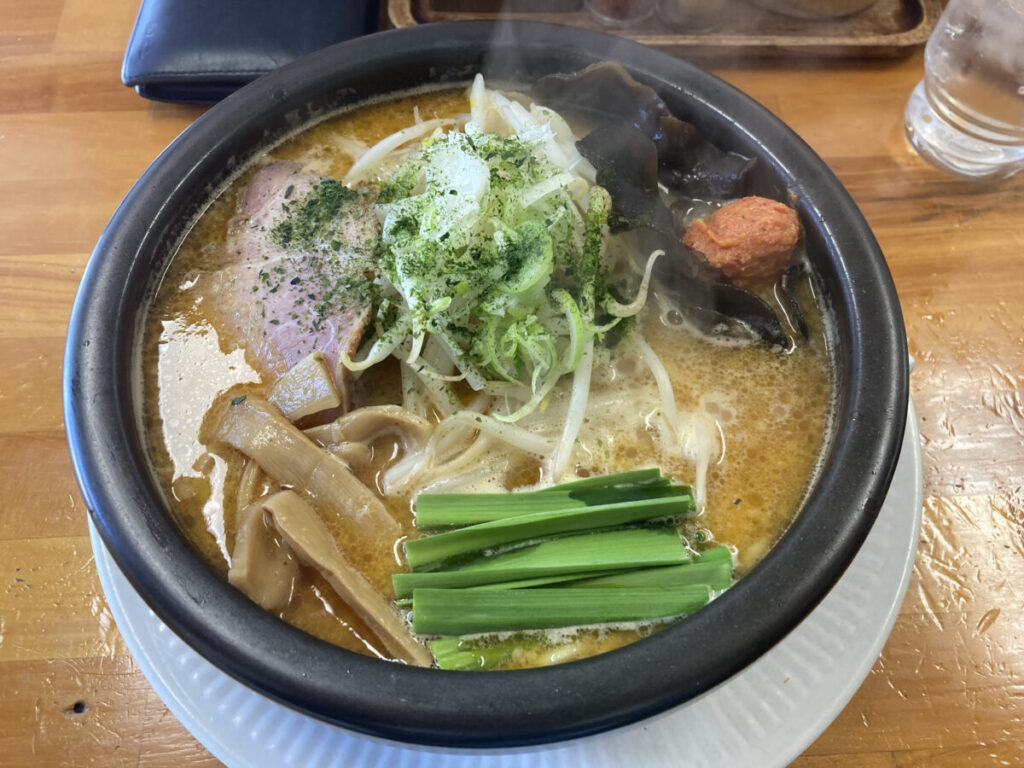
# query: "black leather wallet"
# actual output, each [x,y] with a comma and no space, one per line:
[202,50]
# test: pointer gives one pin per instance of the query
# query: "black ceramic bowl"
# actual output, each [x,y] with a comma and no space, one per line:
[493,708]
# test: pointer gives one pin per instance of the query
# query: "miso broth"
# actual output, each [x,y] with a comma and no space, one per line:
[769,411]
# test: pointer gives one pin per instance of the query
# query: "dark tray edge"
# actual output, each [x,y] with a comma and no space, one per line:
[404,13]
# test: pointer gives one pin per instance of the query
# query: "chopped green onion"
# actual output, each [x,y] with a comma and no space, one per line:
[581,554]
[469,611]
[540,581]
[633,477]
[457,654]
[427,552]
[716,574]
[720,553]
[440,510]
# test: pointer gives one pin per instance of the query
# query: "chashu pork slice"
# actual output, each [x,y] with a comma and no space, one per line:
[298,268]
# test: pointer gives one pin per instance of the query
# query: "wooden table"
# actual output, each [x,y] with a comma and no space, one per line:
[949,686]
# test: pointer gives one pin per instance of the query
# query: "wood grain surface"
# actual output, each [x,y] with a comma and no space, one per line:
[948,690]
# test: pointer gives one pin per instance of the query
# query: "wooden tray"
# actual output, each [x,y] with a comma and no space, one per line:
[888,28]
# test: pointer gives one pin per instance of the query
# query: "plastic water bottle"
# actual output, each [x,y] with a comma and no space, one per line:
[967,115]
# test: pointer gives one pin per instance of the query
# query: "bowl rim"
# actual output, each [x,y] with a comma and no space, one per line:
[472,709]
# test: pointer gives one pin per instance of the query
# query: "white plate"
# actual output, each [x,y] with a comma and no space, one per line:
[764,716]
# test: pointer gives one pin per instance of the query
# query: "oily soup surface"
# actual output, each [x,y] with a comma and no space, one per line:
[771,409]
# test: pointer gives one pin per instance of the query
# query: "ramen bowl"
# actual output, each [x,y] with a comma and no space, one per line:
[501,708]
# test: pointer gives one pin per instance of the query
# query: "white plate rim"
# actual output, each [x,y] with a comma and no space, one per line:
[739,721]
